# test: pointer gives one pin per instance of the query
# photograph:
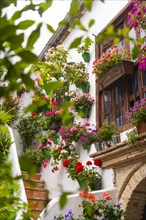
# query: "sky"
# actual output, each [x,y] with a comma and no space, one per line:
[52,16]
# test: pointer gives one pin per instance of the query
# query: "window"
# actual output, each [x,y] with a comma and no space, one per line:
[115,98]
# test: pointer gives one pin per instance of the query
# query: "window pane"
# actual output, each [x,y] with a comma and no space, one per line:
[107,101]
[118,94]
[119,117]
[130,86]
[144,77]
[133,84]
[144,95]
[107,118]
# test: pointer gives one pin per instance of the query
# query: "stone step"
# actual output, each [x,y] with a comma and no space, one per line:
[37,184]
[37,204]
[36,176]
[34,193]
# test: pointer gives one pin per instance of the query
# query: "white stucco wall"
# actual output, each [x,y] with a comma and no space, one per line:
[103,13]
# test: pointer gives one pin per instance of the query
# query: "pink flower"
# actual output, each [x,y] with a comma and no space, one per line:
[73,129]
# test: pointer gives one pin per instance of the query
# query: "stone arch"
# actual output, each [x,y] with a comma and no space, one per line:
[133,197]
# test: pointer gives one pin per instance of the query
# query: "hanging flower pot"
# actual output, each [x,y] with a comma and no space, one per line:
[85,86]
[84,112]
[95,186]
[86,56]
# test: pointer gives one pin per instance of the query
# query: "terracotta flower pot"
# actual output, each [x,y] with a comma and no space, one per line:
[141,127]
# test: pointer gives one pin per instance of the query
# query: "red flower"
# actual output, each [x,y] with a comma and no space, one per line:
[88,163]
[33,114]
[66,163]
[106,195]
[79,169]
[49,142]
[78,164]
[51,138]
[41,147]
[59,148]
[97,163]
[54,103]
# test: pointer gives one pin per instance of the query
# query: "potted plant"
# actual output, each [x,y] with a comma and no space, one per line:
[137,115]
[85,174]
[80,133]
[33,158]
[84,49]
[83,104]
[75,73]
[93,208]
[106,132]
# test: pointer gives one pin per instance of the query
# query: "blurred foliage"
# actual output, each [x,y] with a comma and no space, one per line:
[27,128]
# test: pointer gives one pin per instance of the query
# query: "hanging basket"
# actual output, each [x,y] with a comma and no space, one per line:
[86,56]
[84,112]
[85,86]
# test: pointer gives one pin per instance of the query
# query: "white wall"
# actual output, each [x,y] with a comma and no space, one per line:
[103,13]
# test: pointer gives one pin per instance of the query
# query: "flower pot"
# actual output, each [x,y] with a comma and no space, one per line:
[86,56]
[116,138]
[95,186]
[84,112]
[86,146]
[85,86]
[98,146]
[141,127]
[121,69]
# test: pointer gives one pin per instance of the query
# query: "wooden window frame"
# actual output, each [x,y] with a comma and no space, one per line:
[120,19]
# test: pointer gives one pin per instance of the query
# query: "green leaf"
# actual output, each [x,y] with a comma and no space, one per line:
[76,42]
[17,41]
[79,24]
[28,56]
[3,22]
[9,30]
[50,28]
[88,4]
[15,16]
[135,52]
[63,199]
[33,37]
[25,24]
[91,22]
[52,86]
[27,81]
[74,8]
[116,40]
[63,22]
[44,6]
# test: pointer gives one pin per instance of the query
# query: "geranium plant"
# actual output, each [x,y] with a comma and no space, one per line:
[83,104]
[84,49]
[109,59]
[86,175]
[137,113]
[80,133]
[102,208]
[93,208]
[76,73]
